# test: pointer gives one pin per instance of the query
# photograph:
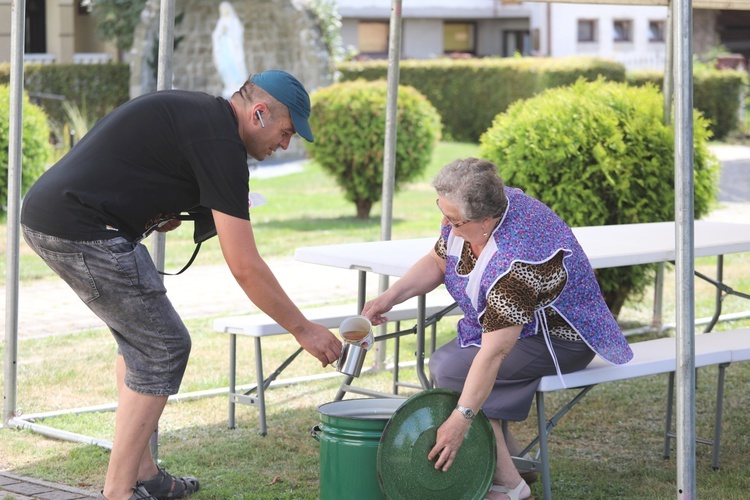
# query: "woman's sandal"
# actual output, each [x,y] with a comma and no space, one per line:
[530,476]
[165,486]
[515,493]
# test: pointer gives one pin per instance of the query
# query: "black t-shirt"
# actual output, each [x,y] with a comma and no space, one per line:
[150,159]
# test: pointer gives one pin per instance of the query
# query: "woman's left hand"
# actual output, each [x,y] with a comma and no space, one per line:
[450,437]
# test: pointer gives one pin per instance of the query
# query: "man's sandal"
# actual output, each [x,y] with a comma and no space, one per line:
[165,486]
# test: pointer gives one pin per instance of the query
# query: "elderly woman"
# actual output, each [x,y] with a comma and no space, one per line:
[531,304]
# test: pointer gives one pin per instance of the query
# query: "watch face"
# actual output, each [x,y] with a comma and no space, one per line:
[467,412]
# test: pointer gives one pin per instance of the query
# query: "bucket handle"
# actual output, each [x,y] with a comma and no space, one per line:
[314,432]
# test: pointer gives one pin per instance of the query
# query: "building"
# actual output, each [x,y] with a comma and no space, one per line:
[62,30]
[56,31]
[632,34]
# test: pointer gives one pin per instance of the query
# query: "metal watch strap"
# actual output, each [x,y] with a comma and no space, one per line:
[468,413]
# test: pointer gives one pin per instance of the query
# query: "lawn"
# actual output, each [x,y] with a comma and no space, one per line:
[609,446]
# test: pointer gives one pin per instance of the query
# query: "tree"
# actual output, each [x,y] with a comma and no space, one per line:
[116,20]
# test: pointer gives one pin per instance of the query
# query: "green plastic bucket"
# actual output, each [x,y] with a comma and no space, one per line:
[349,434]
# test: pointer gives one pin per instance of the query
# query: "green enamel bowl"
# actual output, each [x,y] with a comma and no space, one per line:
[403,469]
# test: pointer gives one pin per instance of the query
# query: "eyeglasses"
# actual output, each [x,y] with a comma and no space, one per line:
[452,224]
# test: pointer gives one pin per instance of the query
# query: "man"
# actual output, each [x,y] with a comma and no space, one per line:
[143,164]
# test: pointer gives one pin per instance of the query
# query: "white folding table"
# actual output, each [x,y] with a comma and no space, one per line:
[605,246]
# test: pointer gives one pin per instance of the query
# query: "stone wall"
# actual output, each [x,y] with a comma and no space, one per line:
[705,37]
[278,34]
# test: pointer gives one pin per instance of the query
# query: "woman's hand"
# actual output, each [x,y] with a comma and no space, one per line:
[375,309]
[450,437]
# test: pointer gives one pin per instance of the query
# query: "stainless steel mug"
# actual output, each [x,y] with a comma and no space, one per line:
[351,360]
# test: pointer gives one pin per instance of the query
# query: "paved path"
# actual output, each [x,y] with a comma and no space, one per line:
[24,488]
[51,308]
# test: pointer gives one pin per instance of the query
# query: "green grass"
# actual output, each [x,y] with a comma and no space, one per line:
[609,446]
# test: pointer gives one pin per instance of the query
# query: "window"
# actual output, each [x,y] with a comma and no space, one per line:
[373,37]
[622,31]
[516,42]
[458,37]
[586,30]
[656,31]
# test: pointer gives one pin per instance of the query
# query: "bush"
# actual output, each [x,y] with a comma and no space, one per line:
[348,120]
[599,153]
[36,150]
[469,93]
[717,94]
[96,89]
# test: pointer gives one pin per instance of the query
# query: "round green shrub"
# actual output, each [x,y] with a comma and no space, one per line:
[36,149]
[599,153]
[348,120]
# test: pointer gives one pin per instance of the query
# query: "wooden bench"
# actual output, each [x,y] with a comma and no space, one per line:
[651,357]
[259,326]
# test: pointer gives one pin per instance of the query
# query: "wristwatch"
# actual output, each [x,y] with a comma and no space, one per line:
[468,413]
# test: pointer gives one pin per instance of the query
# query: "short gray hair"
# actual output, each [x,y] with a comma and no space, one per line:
[474,186]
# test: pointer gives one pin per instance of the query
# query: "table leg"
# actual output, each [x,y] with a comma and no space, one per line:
[421,301]
[361,291]
[261,389]
[232,377]
[657,322]
[543,447]
[719,279]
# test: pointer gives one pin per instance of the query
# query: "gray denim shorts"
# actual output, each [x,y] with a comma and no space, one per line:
[118,281]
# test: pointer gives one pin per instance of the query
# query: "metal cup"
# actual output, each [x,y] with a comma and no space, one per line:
[362,328]
[351,360]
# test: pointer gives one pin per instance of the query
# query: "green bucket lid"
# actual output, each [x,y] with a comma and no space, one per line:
[403,469]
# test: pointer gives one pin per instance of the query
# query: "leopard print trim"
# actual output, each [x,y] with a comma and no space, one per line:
[519,292]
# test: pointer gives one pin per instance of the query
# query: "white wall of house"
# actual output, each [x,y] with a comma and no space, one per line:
[421,38]
[552,28]
[638,51]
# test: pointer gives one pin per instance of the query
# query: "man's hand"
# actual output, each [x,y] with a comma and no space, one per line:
[321,343]
[169,225]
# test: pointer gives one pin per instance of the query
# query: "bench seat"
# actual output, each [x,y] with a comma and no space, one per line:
[651,357]
[259,326]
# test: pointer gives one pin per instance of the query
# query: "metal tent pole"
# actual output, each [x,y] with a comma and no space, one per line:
[684,262]
[18,11]
[389,154]
[163,82]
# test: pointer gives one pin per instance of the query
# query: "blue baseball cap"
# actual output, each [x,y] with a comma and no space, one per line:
[288,91]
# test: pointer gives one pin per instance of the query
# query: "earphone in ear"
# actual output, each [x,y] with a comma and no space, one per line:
[257,113]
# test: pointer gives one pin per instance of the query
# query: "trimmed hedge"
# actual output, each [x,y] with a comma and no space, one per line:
[718,94]
[96,89]
[599,153]
[469,93]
